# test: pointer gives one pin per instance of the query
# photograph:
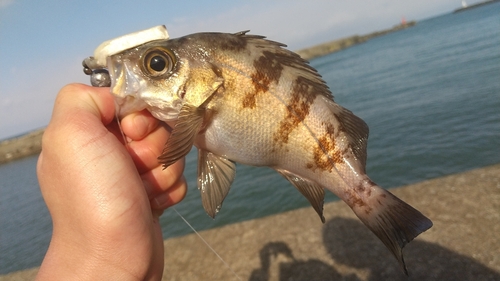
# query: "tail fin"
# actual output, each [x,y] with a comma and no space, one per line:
[393,221]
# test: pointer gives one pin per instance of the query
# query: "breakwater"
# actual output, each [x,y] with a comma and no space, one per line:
[340,44]
[21,146]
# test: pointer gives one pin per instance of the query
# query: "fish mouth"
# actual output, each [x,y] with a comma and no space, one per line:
[125,87]
[124,82]
[127,105]
[130,104]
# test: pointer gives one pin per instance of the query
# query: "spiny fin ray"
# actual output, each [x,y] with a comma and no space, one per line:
[355,129]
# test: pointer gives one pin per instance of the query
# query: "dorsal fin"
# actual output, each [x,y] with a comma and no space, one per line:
[354,128]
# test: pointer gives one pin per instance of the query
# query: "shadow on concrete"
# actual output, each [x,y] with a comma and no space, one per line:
[277,261]
[351,245]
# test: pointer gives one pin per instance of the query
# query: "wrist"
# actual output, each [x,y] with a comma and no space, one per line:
[72,257]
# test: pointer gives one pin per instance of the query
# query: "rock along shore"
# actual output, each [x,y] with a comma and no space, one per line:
[463,244]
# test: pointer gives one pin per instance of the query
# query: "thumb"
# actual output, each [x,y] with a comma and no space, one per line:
[78,99]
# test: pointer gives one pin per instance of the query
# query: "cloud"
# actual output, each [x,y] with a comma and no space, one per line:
[5,3]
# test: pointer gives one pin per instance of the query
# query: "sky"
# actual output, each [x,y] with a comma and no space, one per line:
[42,43]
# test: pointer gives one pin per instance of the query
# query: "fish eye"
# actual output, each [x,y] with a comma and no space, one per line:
[158,61]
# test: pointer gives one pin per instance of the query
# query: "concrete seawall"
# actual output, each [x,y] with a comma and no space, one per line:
[22,146]
[340,44]
[463,244]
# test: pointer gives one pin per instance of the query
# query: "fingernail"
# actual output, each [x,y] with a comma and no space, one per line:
[161,201]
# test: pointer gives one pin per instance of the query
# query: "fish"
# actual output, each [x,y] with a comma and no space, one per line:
[242,98]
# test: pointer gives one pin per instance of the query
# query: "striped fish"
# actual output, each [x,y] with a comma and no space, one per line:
[243,98]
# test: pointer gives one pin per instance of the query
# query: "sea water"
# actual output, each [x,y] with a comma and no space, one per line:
[430,95]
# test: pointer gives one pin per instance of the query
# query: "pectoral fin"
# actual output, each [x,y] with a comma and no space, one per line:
[183,135]
[215,175]
[311,190]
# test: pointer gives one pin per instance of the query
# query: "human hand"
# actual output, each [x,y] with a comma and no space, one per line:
[105,198]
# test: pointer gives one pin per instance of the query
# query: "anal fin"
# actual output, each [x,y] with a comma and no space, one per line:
[311,190]
[215,175]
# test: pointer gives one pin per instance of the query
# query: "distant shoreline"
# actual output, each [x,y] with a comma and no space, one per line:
[31,143]
[21,146]
[341,44]
[475,6]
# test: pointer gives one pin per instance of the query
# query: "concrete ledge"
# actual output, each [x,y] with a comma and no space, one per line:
[464,243]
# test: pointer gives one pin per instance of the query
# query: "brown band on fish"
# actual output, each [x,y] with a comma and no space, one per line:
[268,70]
[326,153]
[303,95]
[354,200]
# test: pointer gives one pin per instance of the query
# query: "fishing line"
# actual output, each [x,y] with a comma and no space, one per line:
[206,243]
[120,125]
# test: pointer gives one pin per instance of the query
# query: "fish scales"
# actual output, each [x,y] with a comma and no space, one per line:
[269,78]
[243,98]
[294,130]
